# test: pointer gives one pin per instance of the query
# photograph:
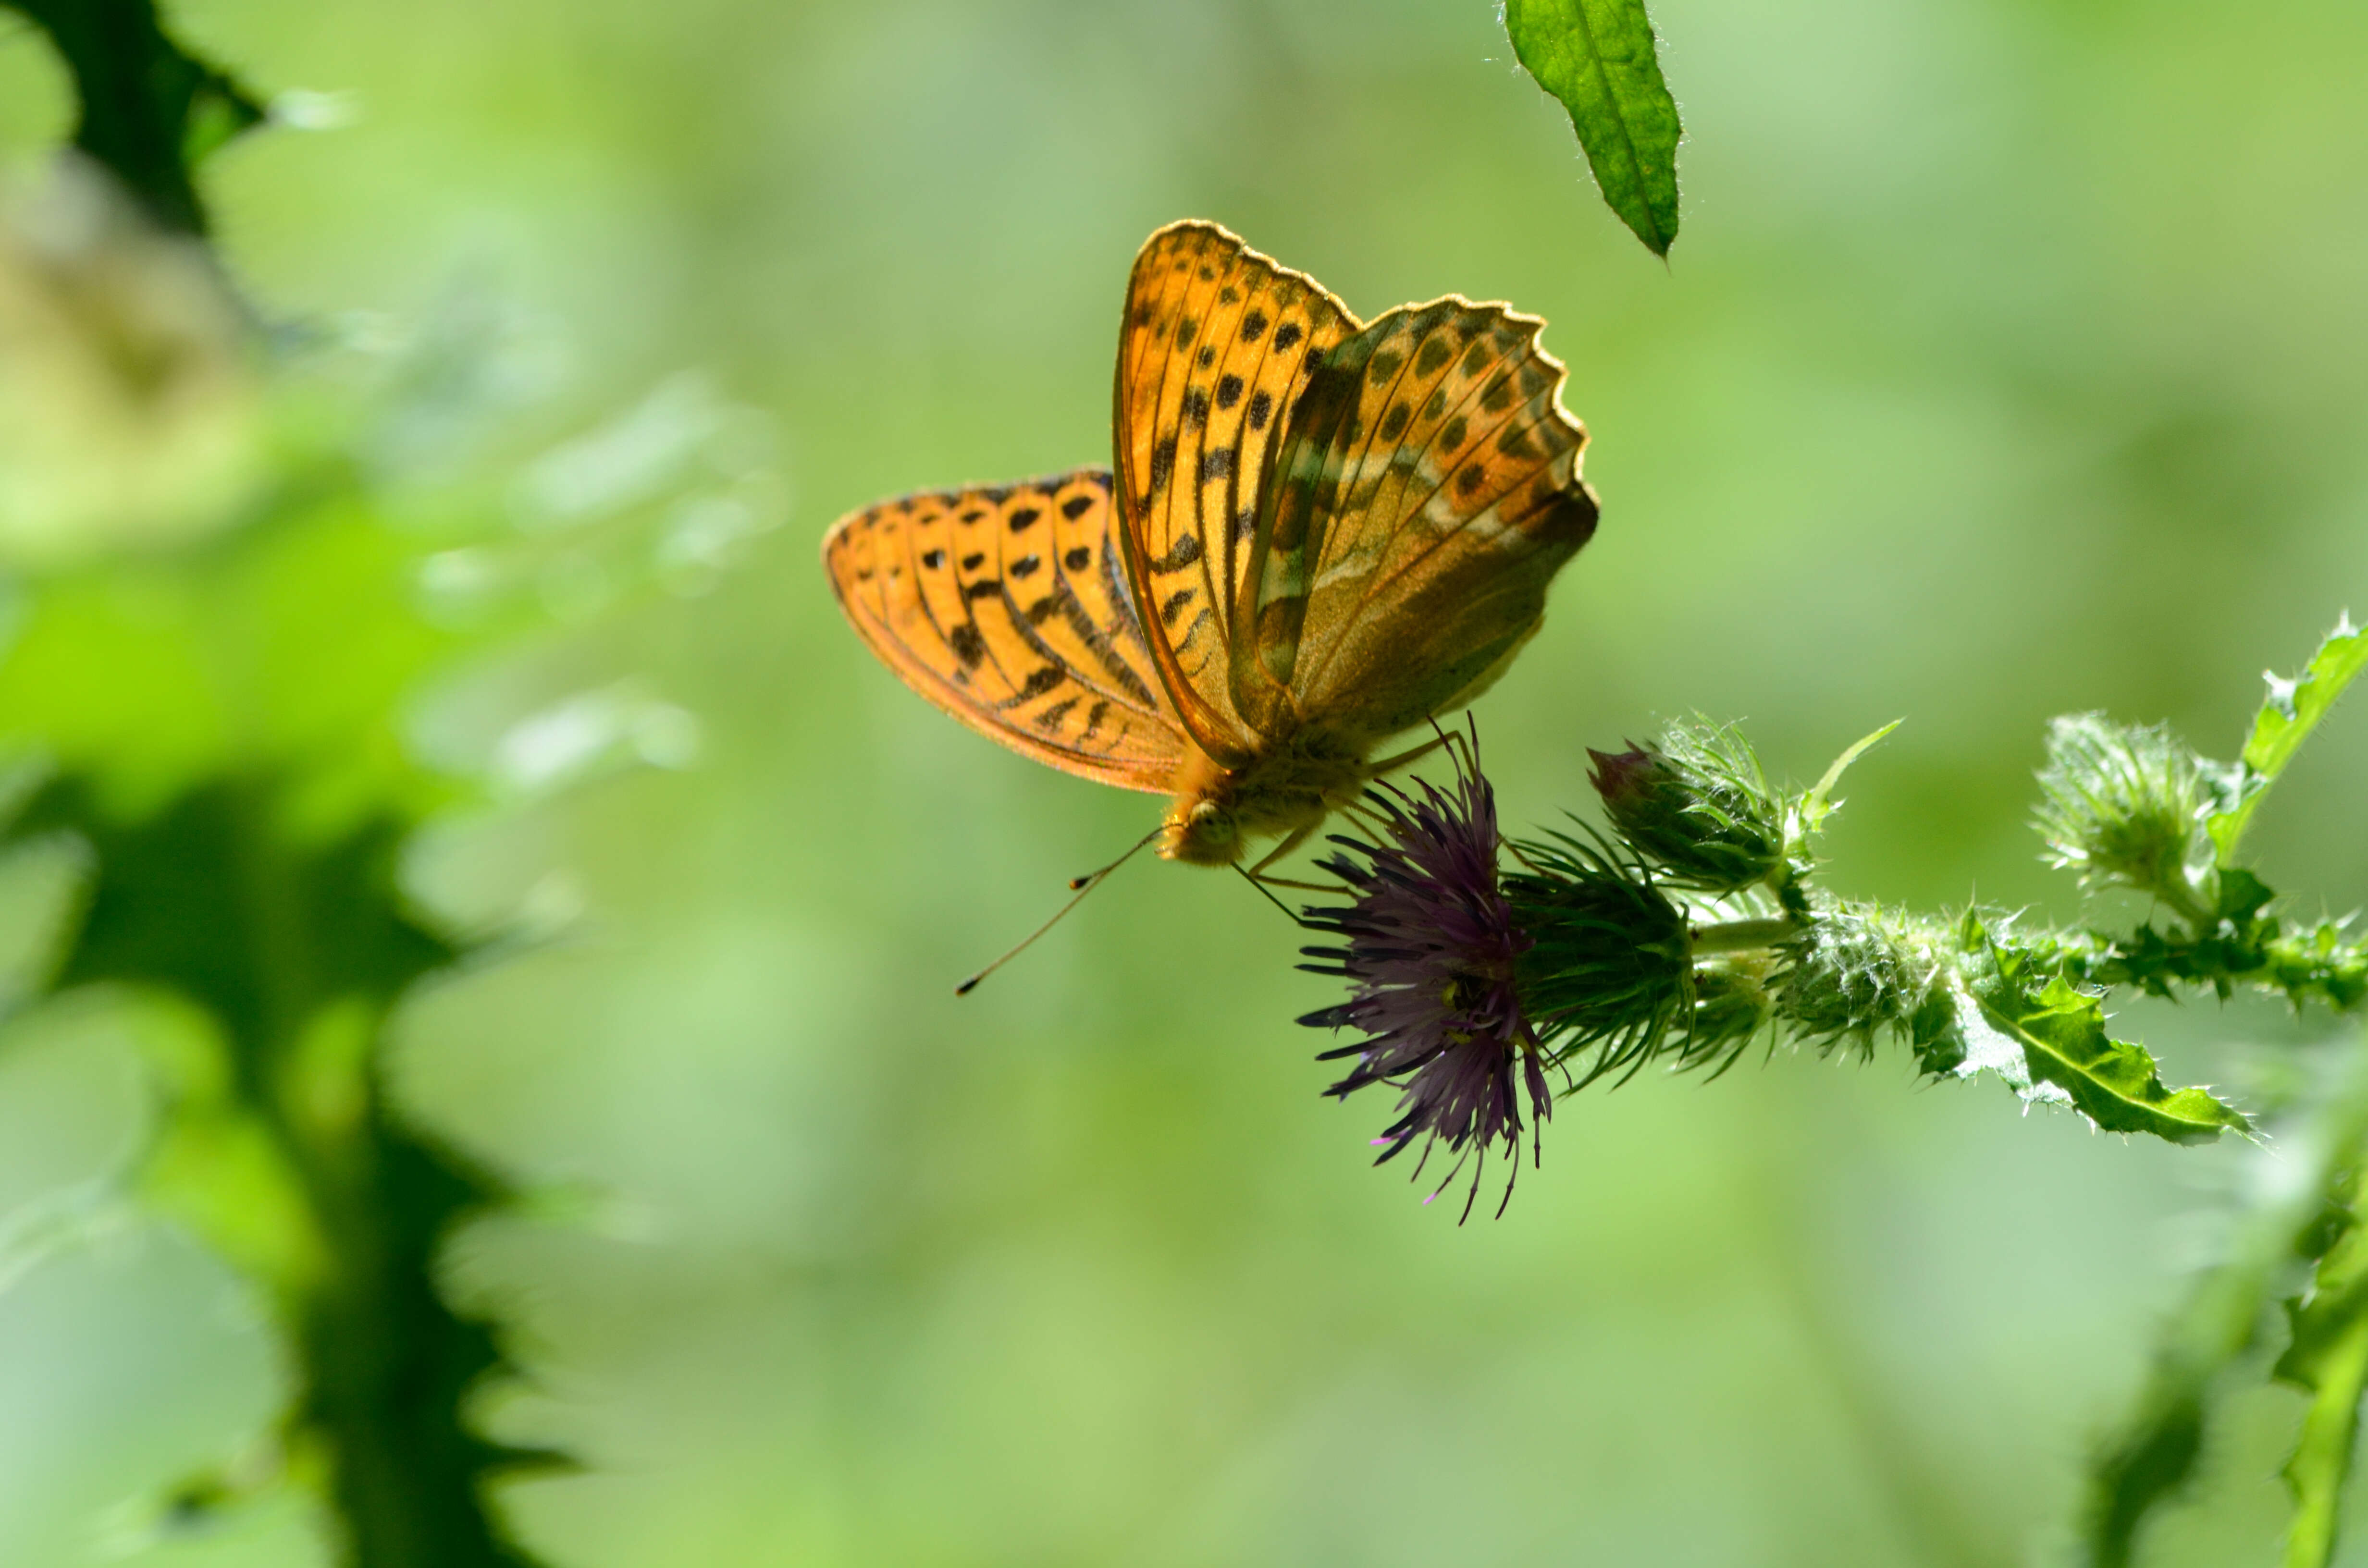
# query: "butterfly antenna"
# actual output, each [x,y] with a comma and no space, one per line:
[1083,885]
[1090,877]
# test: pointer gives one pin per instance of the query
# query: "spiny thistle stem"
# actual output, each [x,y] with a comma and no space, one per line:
[1694,926]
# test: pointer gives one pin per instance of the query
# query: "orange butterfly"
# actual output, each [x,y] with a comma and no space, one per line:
[1320,533]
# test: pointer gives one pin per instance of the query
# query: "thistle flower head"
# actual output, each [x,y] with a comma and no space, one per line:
[1430,949]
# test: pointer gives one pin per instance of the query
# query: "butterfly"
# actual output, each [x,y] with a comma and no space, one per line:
[1319,533]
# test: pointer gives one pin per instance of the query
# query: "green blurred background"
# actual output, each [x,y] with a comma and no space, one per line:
[2011,361]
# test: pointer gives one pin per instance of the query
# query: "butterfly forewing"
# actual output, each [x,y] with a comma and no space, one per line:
[1008,608]
[1426,491]
[1213,352]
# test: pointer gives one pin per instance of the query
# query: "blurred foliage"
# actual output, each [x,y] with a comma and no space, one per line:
[148,109]
[214,792]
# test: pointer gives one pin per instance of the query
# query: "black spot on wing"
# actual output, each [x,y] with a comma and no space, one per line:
[985,588]
[1229,391]
[1514,442]
[1163,466]
[1077,506]
[1079,559]
[1024,519]
[967,644]
[1186,551]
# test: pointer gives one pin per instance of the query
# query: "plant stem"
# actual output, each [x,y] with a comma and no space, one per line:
[1740,935]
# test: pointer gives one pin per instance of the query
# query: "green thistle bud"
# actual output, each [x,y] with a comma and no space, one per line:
[1854,970]
[2123,803]
[1698,806]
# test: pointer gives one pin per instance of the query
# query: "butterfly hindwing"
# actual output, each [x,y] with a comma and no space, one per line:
[1008,607]
[1425,493]
[1212,355]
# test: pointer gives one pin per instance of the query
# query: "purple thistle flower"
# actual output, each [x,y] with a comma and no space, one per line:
[1431,954]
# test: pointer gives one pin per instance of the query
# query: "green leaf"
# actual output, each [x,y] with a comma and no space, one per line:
[2329,1359]
[2292,709]
[1596,56]
[1819,804]
[2054,1046]
[149,109]
[2149,1457]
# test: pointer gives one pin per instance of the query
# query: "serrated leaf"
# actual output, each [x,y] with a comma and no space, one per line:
[2288,714]
[1596,56]
[2062,1040]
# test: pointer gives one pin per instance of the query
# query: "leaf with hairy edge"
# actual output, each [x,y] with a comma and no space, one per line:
[2288,714]
[2327,1359]
[2065,1055]
[2111,1081]
[1596,56]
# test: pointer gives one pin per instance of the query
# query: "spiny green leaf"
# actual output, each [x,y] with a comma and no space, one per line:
[276,953]
[2291,710]
[1596,56]
[151,111]
[2060,1037]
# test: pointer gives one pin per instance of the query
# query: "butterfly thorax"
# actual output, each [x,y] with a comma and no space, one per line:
[1295,783]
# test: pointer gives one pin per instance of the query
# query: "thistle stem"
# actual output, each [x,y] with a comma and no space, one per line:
[1739,936]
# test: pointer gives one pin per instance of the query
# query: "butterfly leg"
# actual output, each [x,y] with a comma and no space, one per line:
[1391,764]
[1258,873]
